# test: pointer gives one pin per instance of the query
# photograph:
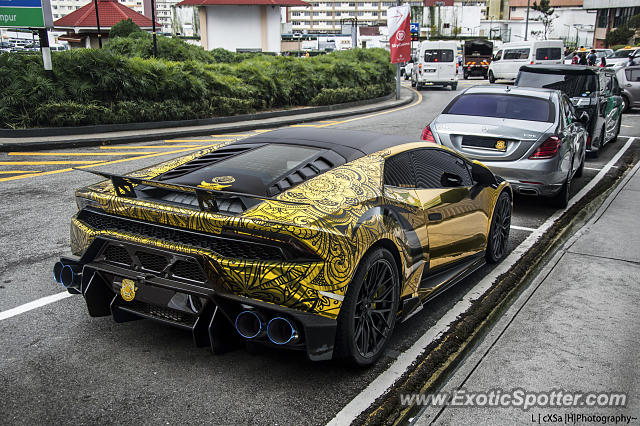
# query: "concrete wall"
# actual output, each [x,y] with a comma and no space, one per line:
[605,4]
[467,18]
[243,27]
[564,24]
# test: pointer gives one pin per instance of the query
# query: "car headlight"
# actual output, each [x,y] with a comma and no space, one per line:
[83,202]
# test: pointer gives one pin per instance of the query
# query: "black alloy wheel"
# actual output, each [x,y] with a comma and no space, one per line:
[625,104]
[492,78]
[368,315]
[500,227]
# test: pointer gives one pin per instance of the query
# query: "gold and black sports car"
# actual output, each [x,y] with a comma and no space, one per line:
[310,239]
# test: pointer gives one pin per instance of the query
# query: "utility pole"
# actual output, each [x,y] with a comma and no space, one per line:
[95,3]
[153,28]
[526,25]
[398,3]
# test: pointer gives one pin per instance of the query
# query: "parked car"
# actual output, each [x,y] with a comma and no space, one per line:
[508,60]
[591,89]
[305,239]
[629,79]
[534,138]
[620,57]
[435,65]
[477,56]
[406,69]
[600,53]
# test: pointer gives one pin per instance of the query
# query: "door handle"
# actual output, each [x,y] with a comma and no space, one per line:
[435,217]
[628,85]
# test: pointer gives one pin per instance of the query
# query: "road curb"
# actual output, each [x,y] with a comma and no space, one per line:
[450,349]
[233,124]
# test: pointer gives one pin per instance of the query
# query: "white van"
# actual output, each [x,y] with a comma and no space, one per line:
[507,61]
[435,65]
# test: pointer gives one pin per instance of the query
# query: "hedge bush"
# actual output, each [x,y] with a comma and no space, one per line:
[118,85]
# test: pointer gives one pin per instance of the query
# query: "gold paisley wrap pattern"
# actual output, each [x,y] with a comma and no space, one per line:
[333,223]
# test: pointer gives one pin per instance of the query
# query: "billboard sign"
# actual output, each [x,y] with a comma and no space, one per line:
[399,33]
[25,14]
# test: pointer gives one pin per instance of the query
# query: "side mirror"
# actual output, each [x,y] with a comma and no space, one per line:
[482,175]
[450,180]
[584,117]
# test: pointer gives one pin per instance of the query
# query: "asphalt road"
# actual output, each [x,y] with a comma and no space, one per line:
[58,365]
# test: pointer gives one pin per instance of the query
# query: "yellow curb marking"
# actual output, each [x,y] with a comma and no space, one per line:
[75,154]
[150,147]
[94,163]
[6,172]
[43,163]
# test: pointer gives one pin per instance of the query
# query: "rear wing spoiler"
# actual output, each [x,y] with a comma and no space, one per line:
[124,187]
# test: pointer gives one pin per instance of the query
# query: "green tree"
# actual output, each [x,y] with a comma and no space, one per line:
[124,28]
[546,17]
[620,35]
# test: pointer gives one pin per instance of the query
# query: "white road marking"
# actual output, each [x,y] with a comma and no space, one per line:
[385,380]
[33,305]
[592,168]
[522,228]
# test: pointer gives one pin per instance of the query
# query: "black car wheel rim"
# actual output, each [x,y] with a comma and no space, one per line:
[502,224]
[374,309]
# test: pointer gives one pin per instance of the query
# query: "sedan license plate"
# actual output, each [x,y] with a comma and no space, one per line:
[429,70]
[474,141]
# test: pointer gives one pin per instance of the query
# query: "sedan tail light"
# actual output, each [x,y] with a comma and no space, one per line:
[548,149]
[427,135]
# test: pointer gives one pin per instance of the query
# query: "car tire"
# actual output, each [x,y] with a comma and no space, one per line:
[561,199]
[413,83]
[499,231]
[465,75]
[625,104]
[454,86]
[485,76]
[360,321]
[492,78]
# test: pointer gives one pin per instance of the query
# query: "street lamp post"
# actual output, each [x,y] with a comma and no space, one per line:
[153,28]
[95,2]
[526,24]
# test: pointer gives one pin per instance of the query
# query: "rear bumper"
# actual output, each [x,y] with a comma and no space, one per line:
[204,309]
[531,177]
[173,277]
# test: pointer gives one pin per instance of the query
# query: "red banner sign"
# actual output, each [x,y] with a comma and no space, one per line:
[398,22]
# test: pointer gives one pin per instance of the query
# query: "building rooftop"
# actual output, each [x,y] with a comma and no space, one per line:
[110,11]
[243,3]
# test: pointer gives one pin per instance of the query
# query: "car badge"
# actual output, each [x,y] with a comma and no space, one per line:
[485,129]
[128,289]
[218,183]
[501,145]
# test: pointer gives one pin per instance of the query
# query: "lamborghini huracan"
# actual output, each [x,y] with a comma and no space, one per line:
[312,239]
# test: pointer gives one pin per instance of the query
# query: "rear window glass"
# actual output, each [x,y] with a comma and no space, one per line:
[438,55]
[265,163]
[516,54]
[571,84]
[548,53]
[502,106]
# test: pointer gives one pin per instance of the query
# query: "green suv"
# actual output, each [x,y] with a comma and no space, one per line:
[591,89]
